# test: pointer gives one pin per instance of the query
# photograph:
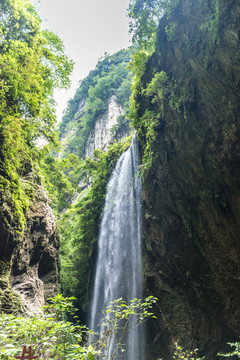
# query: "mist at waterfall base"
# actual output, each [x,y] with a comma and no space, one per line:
[119,261]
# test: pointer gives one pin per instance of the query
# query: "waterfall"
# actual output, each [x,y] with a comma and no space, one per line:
[119,261]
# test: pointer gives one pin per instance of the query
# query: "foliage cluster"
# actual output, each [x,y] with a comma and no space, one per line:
[159,91]
[110,77]
[235,353]
[181,354]
[60,176]
[52,336]
[145,16]
[121,318]
[211,24]
[32,65]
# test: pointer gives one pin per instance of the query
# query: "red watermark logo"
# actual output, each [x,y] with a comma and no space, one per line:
[26,354]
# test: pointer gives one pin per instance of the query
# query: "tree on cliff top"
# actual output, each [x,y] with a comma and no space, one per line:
[145,16]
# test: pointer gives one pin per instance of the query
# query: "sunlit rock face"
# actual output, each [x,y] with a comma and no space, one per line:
[29,264]
[101,135]
[191,193]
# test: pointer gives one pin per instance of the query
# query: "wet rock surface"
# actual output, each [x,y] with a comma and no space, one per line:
[192,191]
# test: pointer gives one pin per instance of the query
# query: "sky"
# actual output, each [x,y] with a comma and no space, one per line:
[88,28]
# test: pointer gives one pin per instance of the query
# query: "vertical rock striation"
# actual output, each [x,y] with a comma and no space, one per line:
[192,190]
[101,136]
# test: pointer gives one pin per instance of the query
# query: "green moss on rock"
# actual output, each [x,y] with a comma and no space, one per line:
[10,302]
[191,189]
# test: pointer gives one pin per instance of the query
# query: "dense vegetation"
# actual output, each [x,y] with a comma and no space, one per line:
[110,77]
[53,337]
[32,65]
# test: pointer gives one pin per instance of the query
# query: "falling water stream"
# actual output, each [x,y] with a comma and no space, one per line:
[119,261]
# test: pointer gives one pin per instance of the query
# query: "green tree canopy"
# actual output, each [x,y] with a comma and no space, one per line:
[145,15]
[32,65]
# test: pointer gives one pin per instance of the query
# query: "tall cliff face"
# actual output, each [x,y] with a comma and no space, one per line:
[103,134]
[192,189]
[29,261]
[97,113]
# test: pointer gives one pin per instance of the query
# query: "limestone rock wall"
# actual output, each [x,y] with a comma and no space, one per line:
[29,264]
[101,135]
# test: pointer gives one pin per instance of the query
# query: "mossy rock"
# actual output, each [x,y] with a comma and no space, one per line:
[10,302]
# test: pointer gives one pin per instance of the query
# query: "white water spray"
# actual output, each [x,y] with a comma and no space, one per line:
[119,260]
